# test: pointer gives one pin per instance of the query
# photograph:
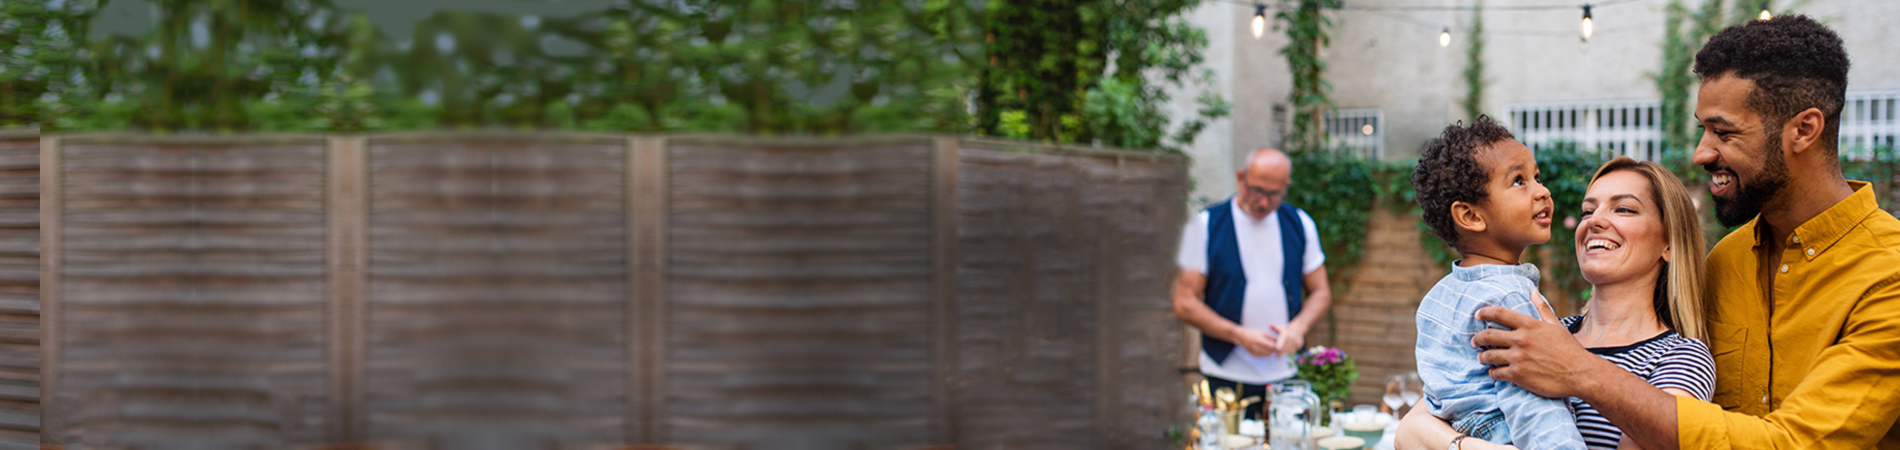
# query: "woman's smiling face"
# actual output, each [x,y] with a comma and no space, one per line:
[1621,236]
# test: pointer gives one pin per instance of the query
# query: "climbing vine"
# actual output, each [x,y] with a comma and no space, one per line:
[1474,65]
[1683,34]
[1306,26]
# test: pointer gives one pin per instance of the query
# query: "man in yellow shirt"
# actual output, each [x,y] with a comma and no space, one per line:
[1804,305]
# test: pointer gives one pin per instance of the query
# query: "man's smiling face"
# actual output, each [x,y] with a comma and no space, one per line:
[1741,153]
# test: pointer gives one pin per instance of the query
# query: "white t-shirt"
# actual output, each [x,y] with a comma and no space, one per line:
[1260,257]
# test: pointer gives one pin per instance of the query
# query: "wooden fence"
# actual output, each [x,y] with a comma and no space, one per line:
[19,290]
[572,290]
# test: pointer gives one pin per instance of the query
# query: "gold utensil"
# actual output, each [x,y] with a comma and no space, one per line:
[1224,399]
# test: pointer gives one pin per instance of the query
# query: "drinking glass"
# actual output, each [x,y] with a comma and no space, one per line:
[1414,389]
[1394,393]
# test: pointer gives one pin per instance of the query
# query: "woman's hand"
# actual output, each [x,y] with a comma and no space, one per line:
[1420,430]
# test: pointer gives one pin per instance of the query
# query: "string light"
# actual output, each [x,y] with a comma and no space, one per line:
[1259,19]
[1589,27]
[1765,15]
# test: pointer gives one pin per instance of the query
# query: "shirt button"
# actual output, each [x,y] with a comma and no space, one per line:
[1797,239]
[1810,252]
[1764,399]
[1784,268]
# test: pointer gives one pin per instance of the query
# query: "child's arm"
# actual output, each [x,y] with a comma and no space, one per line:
[1537,423]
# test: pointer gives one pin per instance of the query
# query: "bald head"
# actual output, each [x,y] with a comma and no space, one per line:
[1263,182]
[1269,160]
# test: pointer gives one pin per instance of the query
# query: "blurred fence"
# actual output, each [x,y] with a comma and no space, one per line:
[572,290]
[19,290]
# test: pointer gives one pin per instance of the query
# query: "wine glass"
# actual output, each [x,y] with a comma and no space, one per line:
[1395,392]
[1414,389]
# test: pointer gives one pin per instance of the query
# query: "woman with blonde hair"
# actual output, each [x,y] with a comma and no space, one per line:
[1639,244]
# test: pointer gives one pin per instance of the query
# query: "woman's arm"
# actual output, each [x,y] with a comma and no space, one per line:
[1419,430]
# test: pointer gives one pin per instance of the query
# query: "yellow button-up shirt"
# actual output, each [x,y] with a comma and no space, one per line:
[1820,366]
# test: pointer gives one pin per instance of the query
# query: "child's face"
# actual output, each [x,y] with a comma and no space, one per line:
[1518,209]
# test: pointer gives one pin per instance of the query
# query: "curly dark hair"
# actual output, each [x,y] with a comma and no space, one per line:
[1796,64]
[1448,172]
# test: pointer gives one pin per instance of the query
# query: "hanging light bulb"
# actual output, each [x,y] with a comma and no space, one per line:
[1444,37]
[1259,19]
[1589,27]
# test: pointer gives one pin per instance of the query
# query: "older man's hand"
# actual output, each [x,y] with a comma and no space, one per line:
[1257,342]
[1542,357]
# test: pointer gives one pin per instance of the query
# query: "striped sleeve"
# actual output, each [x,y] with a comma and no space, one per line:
[1688,366]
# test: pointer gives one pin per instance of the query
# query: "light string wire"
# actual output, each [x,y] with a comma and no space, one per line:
[1389,12]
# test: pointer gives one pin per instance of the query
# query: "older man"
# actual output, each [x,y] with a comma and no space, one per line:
[1804,305]
[1252,279]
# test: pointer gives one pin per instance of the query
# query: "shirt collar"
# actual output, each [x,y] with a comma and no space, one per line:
[1822,231]
[1476,272]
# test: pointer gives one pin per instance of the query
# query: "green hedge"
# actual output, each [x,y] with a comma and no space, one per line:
[1340,189]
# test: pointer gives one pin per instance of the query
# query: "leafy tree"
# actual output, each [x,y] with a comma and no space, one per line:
[1091,71]
[1098,70]
[41,43]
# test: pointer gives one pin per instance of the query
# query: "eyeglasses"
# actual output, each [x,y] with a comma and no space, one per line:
[1258,193]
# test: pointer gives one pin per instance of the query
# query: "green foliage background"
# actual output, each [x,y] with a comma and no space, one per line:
[1305,24]
[1473,75]
[1566,171]
[1062,70]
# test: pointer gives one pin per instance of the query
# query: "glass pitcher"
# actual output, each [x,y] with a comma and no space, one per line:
[1292,416]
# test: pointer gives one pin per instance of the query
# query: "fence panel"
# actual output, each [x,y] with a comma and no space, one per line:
[1062,275]
[577,290]
[799,301]
[496,292]
[19,291]
[193,292]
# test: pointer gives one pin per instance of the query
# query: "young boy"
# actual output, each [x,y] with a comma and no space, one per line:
[1480,192]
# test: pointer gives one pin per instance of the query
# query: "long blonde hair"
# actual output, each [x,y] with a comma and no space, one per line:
[1678,300]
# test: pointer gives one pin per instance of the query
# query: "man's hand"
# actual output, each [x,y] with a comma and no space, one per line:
[1257,342]
[1540,356]
[1291,339]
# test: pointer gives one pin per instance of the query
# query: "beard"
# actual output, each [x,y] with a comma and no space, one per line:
[1750,196]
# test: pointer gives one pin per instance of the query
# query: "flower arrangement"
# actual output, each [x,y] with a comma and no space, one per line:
[1328,370]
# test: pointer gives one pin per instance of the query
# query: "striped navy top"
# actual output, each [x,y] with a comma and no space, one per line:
[1668,360]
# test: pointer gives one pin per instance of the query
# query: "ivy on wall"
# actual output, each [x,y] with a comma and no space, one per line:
[1473,75]
[1683,35]
[1341,206]
[1306,25]
[1566,171]
[1339,197]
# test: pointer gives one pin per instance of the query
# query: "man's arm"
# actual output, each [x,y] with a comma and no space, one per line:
[1848,399]
[1189,286]
[1319,296]
[1546,359]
